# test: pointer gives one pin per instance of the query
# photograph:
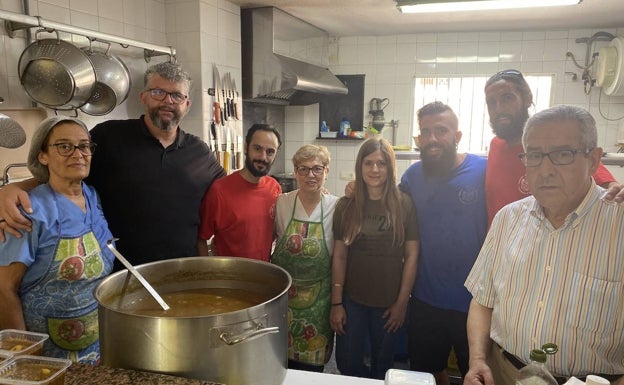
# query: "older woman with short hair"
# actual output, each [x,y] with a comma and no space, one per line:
[47,276]
[303,225]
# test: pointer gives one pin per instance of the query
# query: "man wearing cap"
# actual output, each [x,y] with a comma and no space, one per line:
[508,97]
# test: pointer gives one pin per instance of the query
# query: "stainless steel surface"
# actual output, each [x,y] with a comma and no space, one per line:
[5,174]
[56,74]
[192,346]
[25,21]
[274,78]
[112,83]
[12,134]
[138,276]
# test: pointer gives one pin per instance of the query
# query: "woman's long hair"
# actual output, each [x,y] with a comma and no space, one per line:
[391,198]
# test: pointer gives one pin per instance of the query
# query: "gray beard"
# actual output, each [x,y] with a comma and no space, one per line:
[165,126]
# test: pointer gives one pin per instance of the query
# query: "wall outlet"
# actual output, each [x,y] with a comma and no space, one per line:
[347,175]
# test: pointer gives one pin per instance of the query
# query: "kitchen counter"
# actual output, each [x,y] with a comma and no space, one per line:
[82,374]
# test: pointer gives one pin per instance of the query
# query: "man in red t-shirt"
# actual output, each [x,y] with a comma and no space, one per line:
[508,99]
[239,209]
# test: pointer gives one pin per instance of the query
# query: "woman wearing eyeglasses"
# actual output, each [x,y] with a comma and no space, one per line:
[303,226]
[374,263]
[47,276]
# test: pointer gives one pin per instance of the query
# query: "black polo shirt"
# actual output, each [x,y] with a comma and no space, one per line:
[150,194]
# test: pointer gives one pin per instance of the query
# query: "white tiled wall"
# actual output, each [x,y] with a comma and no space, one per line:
[391,62]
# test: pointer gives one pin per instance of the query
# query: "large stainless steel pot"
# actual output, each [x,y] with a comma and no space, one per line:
[112,85]
[244,347]
[56,74]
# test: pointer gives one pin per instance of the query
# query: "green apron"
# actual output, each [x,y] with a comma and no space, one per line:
[302,251]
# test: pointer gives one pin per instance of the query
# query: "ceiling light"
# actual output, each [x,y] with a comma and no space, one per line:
[431,6]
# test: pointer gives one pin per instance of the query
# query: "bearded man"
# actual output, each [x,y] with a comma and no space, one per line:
[447,189]
[508,97]
[239,210]
[149,173]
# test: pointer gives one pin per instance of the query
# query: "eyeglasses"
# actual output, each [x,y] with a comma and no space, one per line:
[370,164]
[305,171]
[160,95]
[67,149]
[558,158]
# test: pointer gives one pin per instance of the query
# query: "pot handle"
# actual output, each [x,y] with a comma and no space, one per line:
[230,339]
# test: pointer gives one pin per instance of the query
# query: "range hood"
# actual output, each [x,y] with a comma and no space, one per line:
[278,60]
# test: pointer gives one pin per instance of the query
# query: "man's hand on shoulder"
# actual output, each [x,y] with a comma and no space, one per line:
[615,192]
[13,196]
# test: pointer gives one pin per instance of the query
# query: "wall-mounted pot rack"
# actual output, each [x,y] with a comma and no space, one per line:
[17,21]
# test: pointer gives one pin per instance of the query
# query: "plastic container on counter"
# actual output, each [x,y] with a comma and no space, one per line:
[34,370]
[19,342]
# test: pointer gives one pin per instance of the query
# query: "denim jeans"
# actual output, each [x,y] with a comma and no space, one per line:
[364,323]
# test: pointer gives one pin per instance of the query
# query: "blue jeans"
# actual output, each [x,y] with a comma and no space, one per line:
[364,323]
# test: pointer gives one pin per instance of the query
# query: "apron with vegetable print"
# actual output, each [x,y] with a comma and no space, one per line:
[302,252]
[61,303]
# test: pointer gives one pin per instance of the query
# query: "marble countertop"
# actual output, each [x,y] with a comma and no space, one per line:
[82,374]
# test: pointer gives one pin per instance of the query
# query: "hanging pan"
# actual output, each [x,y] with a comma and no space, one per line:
[56,74]
[112,82]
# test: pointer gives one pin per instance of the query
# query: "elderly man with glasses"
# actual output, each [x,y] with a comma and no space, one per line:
[551,268]
[150,174]
[508,99]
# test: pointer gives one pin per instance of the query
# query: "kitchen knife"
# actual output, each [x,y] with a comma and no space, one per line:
[213,137]
[231,95]
[217,85]
[237,105]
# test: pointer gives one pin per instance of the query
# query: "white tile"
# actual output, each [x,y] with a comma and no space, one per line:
[467,53]
[187,17]
[426,53]
[54,13]
[384,40]
[84,6]
[533,35]
[134,13]
[366,54]
[558,34]
[386,74]
[489,52]
[155,16]
[347,54]
[555,49]
[347,40]
[59,3]
[386,53]
[366,40]
[406,53]
[510,51]
[468,37]
[511,36]
[427,37]
[84,20]
[489,36]
[448,37]
[532,50]
[446,53]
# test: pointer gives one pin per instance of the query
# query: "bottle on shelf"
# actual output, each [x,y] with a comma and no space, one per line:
[536,372]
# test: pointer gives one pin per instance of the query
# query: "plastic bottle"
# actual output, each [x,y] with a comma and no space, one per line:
[345,128]
[324,127]
[536,373]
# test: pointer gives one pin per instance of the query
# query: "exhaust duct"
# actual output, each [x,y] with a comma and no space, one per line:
[277,63]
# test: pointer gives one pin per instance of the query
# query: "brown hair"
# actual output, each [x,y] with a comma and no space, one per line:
[391,198]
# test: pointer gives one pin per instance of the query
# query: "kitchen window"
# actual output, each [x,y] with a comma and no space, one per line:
[464,94]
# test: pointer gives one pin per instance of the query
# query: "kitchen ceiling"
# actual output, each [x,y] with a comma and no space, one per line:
[381,17]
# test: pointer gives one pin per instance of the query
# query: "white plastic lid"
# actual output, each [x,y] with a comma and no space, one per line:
[408,377]
[596,380]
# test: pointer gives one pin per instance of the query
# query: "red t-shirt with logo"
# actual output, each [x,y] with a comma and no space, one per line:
[505,179]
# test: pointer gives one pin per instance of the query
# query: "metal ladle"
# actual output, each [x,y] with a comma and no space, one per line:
[138,275]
